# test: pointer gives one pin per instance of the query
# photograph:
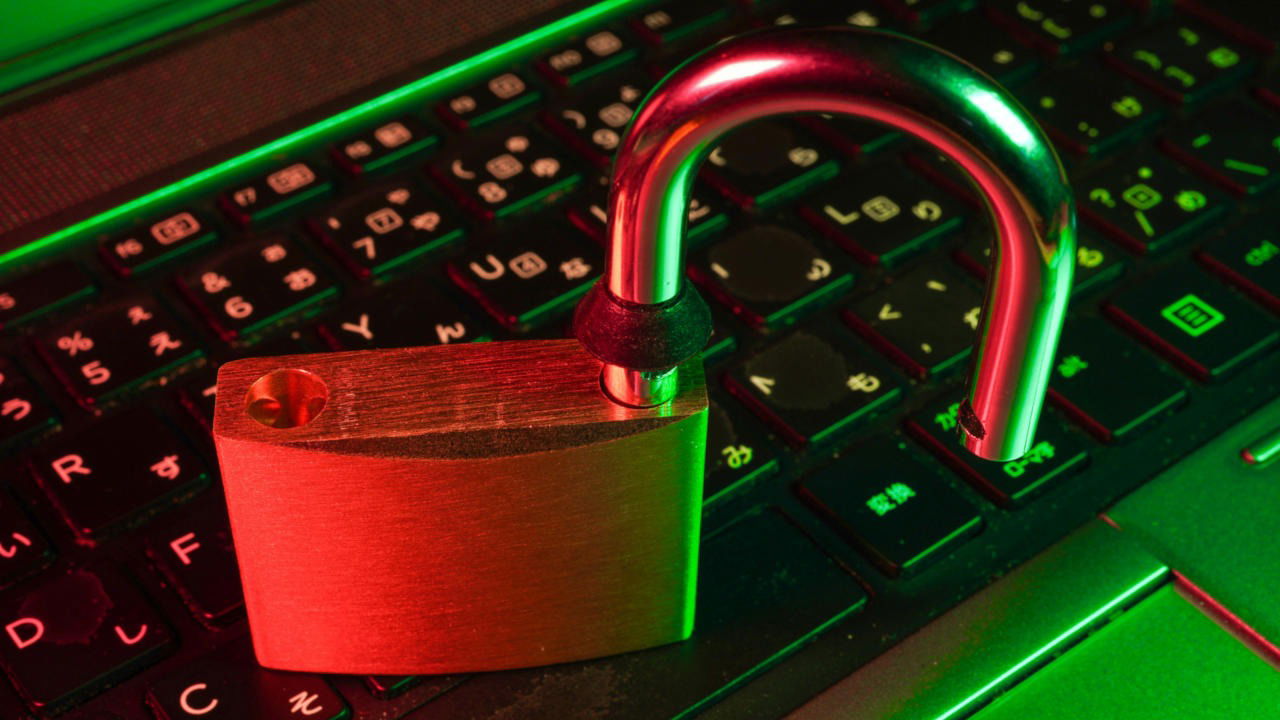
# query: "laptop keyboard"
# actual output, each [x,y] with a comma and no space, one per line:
[843,264]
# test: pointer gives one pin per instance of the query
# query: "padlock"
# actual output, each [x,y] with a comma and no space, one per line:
[485,506]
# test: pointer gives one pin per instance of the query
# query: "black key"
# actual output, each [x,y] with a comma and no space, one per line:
[24,410]
[924,13]
[1236,145]
[895,508]
[1147,203]
[150,245]
[116,348]
[770,274]
[275,193]
[71,635]
[499,175]
[118,473]
[884,214]
[1109,386]
[1185,62]
[738,452]
[852,137]
[255,285]
[198,559]
[766,162]
[676,21]
[1090,110]
[1097,261]
[388,226]
[858,13]
[527,279]
[926,320]
[384,145]
[1250,259]
[1063,27]
[588,56]
[593,124]
[1255,22]
[229,685]
[502,95]
[23,549]
[972,37]
[1196,322]
[199,395]
[407,314]
[706,215]
[1057,453]
[814,383]
[29,296]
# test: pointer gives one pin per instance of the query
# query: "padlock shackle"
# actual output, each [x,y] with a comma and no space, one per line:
[912,87]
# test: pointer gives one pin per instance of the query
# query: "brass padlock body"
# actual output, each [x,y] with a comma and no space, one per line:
[458,508]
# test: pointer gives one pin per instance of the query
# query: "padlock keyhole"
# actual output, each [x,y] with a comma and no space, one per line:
[286,398]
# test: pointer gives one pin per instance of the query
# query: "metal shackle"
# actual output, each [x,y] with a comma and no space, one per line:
[643,320]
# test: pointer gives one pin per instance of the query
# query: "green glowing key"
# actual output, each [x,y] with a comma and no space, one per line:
[1234,144]
[1192,315]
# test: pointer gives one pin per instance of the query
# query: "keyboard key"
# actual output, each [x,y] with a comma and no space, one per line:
[594,123]
[1196,322]
[528,279]
[24,410]
[388,226]
[853,138]
[229,685]
[23,549]
[738,451]
[499,175]
[275,193]
[116,348]
[256,284]
[893,507]
[407,314]
[769,274]
[1097,261]
[926,320]
[884,214]
[814,383]
[762,164]
[1107,385]
[972,37]
[1183,61]
[858,13]
[1147,203]
[672,22]
[198,559]
[71,635]
[1255,22]
[1090,110]
[26,297]
[384,145]
[1250,259]
[118,473]
[1236,145]
[706,215]
[1057,453]
[501,96]
[1062,27]
[150,245]
[588,57]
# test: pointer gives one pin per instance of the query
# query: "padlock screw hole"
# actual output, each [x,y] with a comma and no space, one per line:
[286,398]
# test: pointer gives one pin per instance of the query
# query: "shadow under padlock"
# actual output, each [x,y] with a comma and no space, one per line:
[487,506]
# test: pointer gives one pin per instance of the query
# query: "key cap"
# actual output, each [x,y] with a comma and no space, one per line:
[196,556]
[1107,385]
[149,245]
[926,320]
[883,215]
[387,227]
[738,451]
[1183,61]
[406,314]
[1098,262]
[766,162]
[526,280]
[1250,259]
[384,146]
[70,635]
[23,549]
[24,410]
[26,297]
[593,124]
[228,684]
[707,215]
[1194,321]
[120,472]
[255,285]
[972,36]
[116,348]
[676,21]
[1236,145]
[893,507]
[1062,27]
[501,96]
[1057,453]
[1090,110]
[770,274]
[275,193]
[851,137]
[502,174]
[586,57]
[1147,203]
[814,383]
[858,13]
[1254,22]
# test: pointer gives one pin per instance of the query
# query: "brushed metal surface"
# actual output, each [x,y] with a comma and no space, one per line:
[462,508]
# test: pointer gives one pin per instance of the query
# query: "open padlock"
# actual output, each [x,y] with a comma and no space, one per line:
[488,506]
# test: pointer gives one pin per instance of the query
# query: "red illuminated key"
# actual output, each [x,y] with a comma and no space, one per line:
[197,556]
